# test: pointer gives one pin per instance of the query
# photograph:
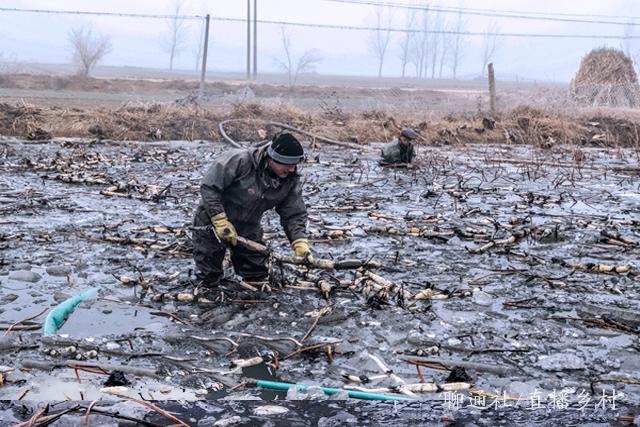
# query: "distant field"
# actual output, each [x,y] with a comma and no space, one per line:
[279,78]
[54,85]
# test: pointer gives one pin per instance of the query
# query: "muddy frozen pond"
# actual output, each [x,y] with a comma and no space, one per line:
[516,263]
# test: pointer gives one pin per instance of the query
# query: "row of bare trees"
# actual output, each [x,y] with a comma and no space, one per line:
[430,44]
[629,44]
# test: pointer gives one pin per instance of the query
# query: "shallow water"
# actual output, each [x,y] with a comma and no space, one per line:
[61,231]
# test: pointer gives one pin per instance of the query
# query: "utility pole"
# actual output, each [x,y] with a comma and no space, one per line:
[204,56]
[492,88]
[255,39]
[248,39]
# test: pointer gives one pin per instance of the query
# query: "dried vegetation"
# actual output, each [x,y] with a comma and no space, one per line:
[149,122]
[606,78]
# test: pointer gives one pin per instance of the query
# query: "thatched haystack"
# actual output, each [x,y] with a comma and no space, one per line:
[606,78]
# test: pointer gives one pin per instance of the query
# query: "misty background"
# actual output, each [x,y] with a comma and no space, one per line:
[526,40]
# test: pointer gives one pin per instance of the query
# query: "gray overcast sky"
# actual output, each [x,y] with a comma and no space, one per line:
[137,41]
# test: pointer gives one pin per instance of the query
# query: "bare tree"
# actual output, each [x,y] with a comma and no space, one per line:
[405,43]
[173,40]
[88,49]
[435,42]
[627,34]
[446,47]
[458,43]
[489,44]
[380,36]
[9,64]
[420,45]
[197,51]
[294,67]
[628,44]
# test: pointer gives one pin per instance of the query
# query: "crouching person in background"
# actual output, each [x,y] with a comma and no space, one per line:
[400,150]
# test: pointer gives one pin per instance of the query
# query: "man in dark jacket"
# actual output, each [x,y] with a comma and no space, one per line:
[399,150]
[237,189]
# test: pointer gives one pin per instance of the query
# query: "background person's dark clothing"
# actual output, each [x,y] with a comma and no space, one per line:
[240,184]
[394,152]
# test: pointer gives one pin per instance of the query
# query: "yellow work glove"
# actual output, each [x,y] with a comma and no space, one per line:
[302,249]
[224,230]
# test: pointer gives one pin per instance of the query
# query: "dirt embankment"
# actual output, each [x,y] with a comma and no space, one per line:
[180,86]
[71,82]
[326,114]
[146,122]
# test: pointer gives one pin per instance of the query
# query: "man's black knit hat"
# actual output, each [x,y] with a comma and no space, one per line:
[409,133]
[286,149]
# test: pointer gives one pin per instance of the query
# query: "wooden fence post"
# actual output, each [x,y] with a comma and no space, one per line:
[492,88]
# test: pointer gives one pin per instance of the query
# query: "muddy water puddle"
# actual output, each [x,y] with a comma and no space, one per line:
[531,259]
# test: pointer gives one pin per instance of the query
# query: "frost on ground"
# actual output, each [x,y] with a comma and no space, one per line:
[518,264]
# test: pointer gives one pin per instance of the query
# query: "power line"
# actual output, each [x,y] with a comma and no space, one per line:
[420,31]
[332,26]
[481,12]
[581,15]
[521,12]
[78,12]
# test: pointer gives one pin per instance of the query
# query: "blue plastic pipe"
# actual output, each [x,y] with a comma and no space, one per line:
[275,385]
[59,314]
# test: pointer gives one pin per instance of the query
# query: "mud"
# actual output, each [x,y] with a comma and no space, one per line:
[511,239]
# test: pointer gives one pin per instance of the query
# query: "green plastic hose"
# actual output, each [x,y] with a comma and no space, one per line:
[275,385]
[59,314]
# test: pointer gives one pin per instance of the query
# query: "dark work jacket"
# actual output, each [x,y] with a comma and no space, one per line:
[239,184]
[394,152]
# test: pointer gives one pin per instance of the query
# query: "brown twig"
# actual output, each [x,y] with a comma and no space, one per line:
[171,315]
[248,301]
[34,418]
[48,365]
[597,323]
[313,326]
[45,421]
[328,350]
[86,415]
[419,373]
[153,408]
[122,417]
[311,347]
[23,394]
[425,364]
[10,328]
[278,257]
[29,327]
[89,369]
[518,302]
[238,386]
